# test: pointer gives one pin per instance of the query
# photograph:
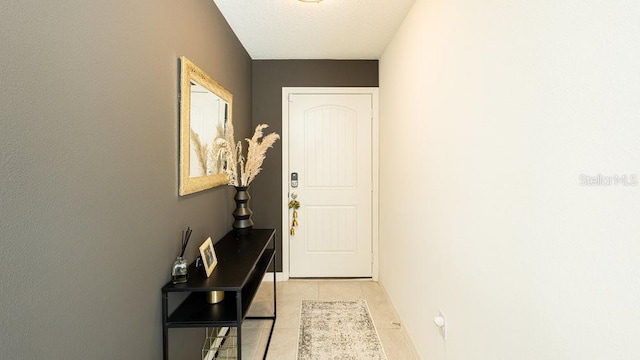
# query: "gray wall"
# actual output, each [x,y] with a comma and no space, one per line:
[90,220]
[269,77]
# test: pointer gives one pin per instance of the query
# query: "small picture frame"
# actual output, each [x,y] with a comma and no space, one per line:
[208,254]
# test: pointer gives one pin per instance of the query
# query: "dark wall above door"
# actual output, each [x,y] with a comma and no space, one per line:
[269,77]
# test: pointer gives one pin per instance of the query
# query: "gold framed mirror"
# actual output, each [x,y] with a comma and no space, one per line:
[205,108]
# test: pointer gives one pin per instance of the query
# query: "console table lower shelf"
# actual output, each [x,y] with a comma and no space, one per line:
[242,264]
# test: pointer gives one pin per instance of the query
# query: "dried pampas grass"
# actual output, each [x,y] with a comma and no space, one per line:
[242,171]
[201,151]
[216,162]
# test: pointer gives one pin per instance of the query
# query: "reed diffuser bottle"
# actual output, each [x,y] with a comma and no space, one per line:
[179,273]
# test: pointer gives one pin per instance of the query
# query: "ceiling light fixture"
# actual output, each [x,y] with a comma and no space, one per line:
[310,1]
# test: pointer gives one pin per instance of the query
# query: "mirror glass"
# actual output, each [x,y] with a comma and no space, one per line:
[207,121]
[205,109]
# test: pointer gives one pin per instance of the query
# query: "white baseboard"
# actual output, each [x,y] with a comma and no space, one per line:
[407,336]
[279,276]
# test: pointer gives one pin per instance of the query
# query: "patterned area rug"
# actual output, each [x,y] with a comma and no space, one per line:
[338,330]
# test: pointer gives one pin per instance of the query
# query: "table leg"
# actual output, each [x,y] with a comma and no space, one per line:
[165,329]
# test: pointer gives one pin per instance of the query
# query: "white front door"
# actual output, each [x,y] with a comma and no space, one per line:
[330,150]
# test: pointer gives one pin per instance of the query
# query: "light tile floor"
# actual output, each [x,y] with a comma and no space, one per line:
[284,343]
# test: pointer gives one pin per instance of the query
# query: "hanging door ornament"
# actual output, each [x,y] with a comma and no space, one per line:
[294,205]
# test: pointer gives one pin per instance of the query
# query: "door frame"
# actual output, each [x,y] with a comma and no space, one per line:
[284,137]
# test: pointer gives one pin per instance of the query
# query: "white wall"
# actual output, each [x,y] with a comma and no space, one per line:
[490,111]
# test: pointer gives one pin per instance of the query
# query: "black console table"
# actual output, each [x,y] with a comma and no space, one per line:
[242,262]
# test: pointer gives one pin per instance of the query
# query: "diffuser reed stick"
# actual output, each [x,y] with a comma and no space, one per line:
[185,240]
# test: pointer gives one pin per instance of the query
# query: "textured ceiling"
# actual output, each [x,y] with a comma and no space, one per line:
[331,29]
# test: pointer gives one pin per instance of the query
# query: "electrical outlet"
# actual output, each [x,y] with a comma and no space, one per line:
[441,322]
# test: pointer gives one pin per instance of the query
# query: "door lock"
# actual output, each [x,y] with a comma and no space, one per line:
[294,179]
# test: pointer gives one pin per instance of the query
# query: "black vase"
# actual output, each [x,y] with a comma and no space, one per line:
[242,223]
